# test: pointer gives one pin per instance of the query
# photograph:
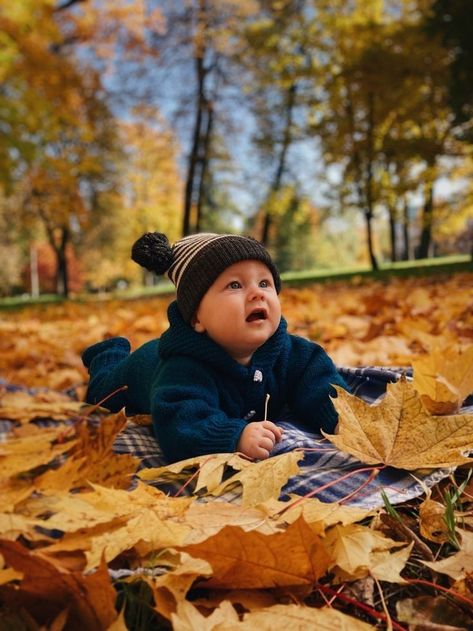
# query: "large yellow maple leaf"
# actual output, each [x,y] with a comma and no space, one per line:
[399,432]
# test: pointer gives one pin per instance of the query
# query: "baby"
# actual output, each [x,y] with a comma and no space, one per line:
[226,363]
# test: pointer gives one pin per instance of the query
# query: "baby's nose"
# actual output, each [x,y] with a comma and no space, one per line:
[255,292]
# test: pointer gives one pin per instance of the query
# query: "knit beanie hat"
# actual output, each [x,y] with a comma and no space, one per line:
[193,263]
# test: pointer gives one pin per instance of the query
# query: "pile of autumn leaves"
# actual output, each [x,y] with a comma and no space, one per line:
[73,532]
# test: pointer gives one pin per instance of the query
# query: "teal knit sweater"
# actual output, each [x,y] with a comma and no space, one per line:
[200,398]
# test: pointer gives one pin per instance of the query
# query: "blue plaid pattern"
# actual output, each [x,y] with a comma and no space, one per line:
[325,472]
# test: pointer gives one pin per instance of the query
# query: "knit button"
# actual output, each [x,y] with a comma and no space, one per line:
[258,376]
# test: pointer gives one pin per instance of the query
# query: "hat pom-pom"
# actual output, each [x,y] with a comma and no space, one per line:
[153,252]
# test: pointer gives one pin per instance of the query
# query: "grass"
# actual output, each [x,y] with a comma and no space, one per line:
[423,267]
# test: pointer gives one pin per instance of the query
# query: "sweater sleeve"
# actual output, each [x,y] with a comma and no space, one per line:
[186,416]
[106,363]
[312,377]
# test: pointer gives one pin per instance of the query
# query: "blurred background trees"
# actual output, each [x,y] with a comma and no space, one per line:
[335,131]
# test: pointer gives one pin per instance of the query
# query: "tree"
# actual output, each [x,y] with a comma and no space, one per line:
[452,21]
[275,58]
[382,106]
[198,50]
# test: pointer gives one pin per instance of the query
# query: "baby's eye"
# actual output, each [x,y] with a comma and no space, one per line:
[234,285]
[264,283]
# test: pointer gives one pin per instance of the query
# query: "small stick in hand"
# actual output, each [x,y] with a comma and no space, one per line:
[266,407]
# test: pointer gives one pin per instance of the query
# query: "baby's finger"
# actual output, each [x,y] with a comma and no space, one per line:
[267,442]
[260,453]
[277,431]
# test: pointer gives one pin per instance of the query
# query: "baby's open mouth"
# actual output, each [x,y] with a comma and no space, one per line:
[257,314]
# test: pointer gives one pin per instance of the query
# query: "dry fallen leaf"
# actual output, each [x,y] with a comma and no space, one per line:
[249,560]
[428,612]
[399,432]
[189,618]
[432,521]
[263,480]
[289,617]
[297,617]
[24,407]
[459,565]
[260,481]
[358,551]
[25,453]
[444,378]
[45,591]
[171,588]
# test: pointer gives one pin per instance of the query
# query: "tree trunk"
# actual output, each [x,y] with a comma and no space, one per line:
[392,233]
[406,253]
[62,271]
[369,184]
[204,163]
[194,154]
[422,251]
[287,139]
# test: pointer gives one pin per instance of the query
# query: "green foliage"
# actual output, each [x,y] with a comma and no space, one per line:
[453,22]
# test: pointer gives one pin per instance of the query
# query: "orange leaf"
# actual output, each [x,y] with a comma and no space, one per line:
[45,591]
[248,560]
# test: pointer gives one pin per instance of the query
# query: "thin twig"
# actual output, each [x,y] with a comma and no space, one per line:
[356,603]
[389,621]
[400,528]
[329,484]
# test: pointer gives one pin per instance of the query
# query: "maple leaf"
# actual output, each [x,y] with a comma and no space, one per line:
[210,470]
[260,480]
[109,521]
[432,521]
[263,480]
[244,560]
[458,566]
[23,453]
[171,588]
[225,618]
[46,591]
[399,432]
[24,407]
[444,378]
[358,551]
[189,618]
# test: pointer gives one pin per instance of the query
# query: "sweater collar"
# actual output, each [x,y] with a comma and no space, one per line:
[181,339]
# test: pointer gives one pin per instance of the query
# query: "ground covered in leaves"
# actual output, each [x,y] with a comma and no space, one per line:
[80,550]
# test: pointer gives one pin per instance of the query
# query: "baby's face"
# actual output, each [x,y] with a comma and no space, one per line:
[241,310]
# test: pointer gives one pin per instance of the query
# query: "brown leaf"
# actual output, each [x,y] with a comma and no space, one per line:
[444,378]
[358,551]
[459,565]
[399,432]
[45,591]
[297,617]
[110,521]
[22,454]
[301,617]
[24,407]
[171,588]
[247,560]
[432,521]
[189,618]
[436,613]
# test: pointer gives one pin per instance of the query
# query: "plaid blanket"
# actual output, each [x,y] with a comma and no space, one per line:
[325,472]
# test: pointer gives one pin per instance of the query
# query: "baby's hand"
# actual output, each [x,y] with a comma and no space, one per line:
[258,438]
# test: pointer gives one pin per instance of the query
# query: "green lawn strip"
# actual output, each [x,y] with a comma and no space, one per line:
[425,267]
